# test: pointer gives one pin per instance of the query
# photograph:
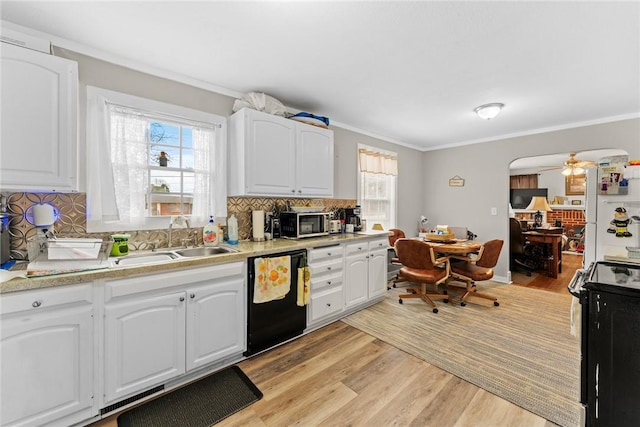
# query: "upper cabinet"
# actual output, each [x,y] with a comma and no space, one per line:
[274,156]
[39,121]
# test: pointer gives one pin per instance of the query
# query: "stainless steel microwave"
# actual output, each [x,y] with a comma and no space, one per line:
[296,225]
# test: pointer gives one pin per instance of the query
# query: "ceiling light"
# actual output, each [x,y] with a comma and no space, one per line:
[489,111]
[572,170]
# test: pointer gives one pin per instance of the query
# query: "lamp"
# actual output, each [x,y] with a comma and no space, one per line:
[377,226]
[538,203]
[489,111]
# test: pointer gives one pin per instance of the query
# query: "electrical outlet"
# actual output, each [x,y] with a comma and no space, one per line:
[494,211]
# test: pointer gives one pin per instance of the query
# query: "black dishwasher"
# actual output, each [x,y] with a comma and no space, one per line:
[609,293]
[274,322]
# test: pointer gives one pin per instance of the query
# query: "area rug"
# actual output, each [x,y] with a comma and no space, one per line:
[199,404]
[521,351]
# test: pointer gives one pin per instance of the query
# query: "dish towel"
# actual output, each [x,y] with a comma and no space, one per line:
[273,278]
[304,277]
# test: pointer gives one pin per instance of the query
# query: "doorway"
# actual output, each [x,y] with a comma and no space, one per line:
[554,178]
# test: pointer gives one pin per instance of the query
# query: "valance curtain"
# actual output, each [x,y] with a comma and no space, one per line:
[523,181]
[376,162]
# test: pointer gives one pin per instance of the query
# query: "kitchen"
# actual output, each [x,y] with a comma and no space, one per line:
[483,166]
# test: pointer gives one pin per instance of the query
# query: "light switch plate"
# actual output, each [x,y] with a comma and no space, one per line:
[494,211]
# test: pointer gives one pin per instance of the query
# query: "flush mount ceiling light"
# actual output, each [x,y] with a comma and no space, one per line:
[489,111]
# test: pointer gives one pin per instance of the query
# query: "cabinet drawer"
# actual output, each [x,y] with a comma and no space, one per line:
[360,247]
[379,244]
[324,280]
[39,299]
[325,267]
[327,252]
[326,303]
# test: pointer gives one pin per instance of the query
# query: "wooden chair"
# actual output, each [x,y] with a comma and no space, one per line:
[397,234]
[420,266]
[477,269]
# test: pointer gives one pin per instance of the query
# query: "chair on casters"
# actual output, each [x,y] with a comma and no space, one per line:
[477,269]
[397,234]
[420,265]
[518,249]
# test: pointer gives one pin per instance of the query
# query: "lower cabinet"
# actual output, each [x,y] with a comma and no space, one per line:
[158,327]
[47,357]
[365,271]
[326,268]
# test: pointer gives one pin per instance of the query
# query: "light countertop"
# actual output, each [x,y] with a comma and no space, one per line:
[246,249]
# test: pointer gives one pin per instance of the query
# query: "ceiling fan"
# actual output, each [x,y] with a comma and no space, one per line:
[573,166]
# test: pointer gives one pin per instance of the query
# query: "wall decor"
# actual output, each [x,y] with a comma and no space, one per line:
[456,181]
[574,185]
[576,202]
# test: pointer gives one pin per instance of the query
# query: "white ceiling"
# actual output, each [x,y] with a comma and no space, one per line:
[408,72]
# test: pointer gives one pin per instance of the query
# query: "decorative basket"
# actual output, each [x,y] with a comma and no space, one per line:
[440,237]
[633,252]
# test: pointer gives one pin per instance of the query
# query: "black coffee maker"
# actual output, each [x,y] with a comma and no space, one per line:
[352,216]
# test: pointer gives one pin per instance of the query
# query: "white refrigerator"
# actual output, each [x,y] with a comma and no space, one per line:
[600,210]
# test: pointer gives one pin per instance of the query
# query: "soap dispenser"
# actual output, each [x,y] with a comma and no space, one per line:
[210,233]
[232,225]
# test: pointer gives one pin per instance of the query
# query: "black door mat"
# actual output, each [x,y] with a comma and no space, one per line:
[200,404]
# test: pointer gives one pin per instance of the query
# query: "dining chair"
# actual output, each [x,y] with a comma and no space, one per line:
[397,234]
[420,266]
[477,269]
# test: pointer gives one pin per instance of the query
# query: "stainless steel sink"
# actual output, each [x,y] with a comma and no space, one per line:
[205,251]
[145,259]
[171,255]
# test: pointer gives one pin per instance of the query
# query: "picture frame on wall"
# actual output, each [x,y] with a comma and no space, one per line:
[574,185]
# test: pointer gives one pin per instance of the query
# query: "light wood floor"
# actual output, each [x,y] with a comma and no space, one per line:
[339,376]
[570,263]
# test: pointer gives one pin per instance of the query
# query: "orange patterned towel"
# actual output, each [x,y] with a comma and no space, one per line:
[273,278]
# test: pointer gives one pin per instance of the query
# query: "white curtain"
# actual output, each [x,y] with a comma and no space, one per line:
[130,163]
[379,163]
[209,194]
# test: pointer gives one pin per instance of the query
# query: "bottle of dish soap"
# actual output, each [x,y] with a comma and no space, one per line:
[210,233]
[232,229]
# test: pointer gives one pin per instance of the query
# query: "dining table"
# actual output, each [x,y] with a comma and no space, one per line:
[455,246]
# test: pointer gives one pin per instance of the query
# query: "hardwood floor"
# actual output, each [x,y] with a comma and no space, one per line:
[339,376]
[570,263]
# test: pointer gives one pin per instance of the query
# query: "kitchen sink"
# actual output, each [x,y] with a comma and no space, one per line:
[205,251]
[171,255]
[149,258]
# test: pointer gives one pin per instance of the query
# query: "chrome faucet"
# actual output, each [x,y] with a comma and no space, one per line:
[180,220]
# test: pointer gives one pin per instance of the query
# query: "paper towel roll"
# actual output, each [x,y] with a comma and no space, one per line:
[43,214]
[258,225]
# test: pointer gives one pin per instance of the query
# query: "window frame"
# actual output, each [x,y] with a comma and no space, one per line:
[359,191]
[183,115]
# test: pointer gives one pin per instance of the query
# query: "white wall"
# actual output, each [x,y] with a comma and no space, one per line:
[485,168]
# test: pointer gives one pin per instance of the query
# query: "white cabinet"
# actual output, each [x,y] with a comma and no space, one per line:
[39,121]
[46,349]
[365,271]
[326,293]
[274,156]
[158,327]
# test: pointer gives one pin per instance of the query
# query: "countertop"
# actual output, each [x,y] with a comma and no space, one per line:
[246,249]
[618,253]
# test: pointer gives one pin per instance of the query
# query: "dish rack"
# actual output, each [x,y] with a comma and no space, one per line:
[68,249]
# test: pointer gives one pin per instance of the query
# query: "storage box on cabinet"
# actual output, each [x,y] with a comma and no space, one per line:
[47,354]
[160,326]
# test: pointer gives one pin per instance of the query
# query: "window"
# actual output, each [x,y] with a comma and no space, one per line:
[377,172]
[162,160]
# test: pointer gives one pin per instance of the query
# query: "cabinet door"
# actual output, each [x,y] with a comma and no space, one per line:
[47,367]
[270,154]
[39,108]
[215,322]
[355,286]
[144,343]
[377,272]
[314,161]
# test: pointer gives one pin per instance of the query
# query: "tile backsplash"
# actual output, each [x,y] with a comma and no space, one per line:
[72,209]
